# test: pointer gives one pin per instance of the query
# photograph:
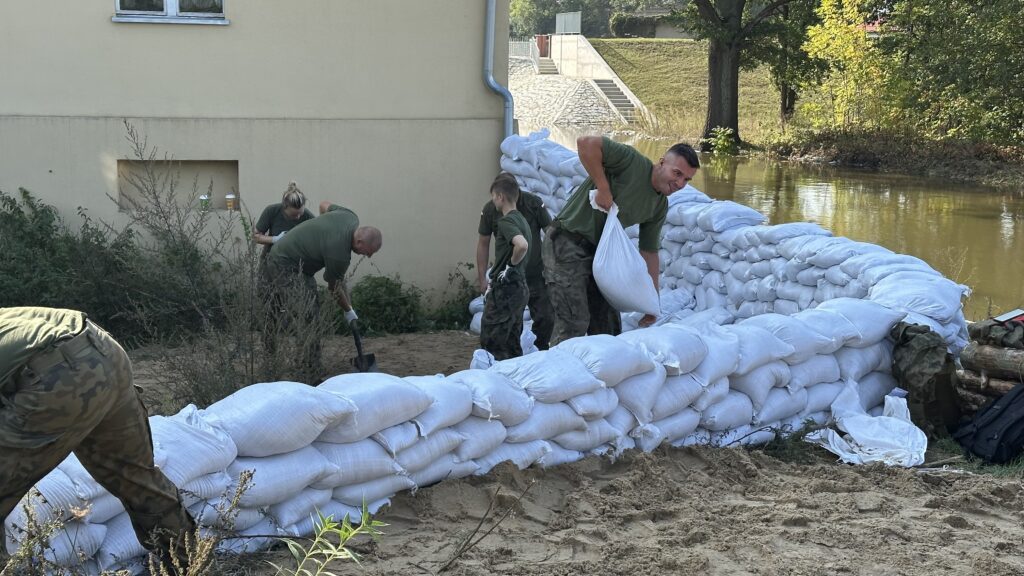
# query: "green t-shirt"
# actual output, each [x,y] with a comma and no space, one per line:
[537,218]
[323,242]
[23,331]
[629,176]
[273,221]
[509,226]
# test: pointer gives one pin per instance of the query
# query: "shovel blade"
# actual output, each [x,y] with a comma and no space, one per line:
[365,363]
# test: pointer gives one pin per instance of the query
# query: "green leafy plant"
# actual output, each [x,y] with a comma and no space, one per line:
[388,305]
[329,544]
[721,142]
[452,313]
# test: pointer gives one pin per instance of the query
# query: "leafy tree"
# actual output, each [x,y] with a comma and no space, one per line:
[529,17]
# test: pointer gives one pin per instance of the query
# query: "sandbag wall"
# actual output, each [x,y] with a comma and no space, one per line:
[364,437]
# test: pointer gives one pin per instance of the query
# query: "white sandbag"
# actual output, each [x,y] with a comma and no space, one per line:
[622,420]
[694,274]
[103,509]
[521,454]
[277,478]
[423,453]
[757,383]
[621,273]
[208,486]
[214,513]
[476,305]
[873,389]
[855,363]
[120,544]
[761,269]
[596,433]
[802,295]
[452,402]
[495,396]
[58,502]
[378,489]
[856,265]
[779,232]
[677,393]
[835,275]
[712,394]
[766,288]
[356,462]
[85,486]
[678,425]
[546,421]
[74,541]
[805,341]
[714,280]
[732,411]
[718,316]
[741,271]
[751,309]
[872,320]
[648,437]
[337,510]
[757,347]
[768,252]
[746,435]
[726,214]
[443,468]
[482,436]
[821,396]
[875,274]
[838,253]
[594,405]
[190,446]
[933,296]
[830,324]
[675,299]
[256,538]
[807,276]
[277,417]
[785,307]
[476,322]
[826,291]
[383,401]
[558,456]
[610,359]
[890,438]
[300,506]
[699,437]
[395,438]
[779,405]
[688,194]
[550,375]
[723,355]
[790,247]
[818,369]
[639,393]
[679,348]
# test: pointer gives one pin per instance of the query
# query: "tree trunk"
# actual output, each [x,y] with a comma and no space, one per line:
[723,87]
[982,384]
[787,103]
[1002,363]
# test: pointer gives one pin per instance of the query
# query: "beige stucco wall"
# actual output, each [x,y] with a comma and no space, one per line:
[378,105]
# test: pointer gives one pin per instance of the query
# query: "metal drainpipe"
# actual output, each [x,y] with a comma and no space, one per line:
[489,67]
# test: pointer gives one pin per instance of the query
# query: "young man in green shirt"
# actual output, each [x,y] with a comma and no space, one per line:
[66,386]
[323,243]
[640,189]
[502,323]
[537,218]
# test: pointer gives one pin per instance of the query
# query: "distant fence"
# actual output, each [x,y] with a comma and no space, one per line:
[520,47]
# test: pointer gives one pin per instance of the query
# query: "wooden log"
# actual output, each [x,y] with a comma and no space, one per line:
[970,402]
[994,362]
[982,384]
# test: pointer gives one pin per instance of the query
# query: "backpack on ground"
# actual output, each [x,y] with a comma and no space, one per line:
[996,435]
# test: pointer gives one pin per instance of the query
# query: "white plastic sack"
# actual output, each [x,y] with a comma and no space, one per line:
[821,396]
[120,544]
[872,320]
[277,417]
[596,433]
[820,368]
[757,347]
[396,438]
[639,393]
[482,436]
[208,486]
[378,489]
[211,513]
[444,468]
[521,454]
[757,383]
[558,456]
[873,388]
[830,324]
[495,396]
[726,214]
[855,363]
[679,348]
[382,401]
[549,375]
[779,232]
[300,506]
[677,393]
[59,499]
[594,405]
[723,354]
[546,421]
[732,411]
[610,359]
[277,478]
[933,296]
[779,405]
[621,273]
[423,453]
[356,462]
[856,265]
[891,438]
[805,341]
[678,425]
[452,402]
[191,447]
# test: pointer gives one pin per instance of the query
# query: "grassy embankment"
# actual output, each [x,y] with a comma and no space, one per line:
[670,77]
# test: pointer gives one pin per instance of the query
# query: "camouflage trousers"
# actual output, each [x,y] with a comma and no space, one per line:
[502,323]
[541,314]
[78,396]
[579,306]
[293,306]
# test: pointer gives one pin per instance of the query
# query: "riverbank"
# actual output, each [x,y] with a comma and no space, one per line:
[960,161]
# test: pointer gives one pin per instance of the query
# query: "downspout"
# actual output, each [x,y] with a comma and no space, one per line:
[489,66]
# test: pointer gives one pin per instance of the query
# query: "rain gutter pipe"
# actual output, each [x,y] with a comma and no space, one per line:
[489,67]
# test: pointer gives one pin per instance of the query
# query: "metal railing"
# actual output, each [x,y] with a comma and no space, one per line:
[521,47]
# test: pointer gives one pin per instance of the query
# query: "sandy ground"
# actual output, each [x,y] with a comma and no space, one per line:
[687,511]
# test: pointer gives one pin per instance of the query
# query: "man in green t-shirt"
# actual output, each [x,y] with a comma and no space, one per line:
[66,386]
[502,323]
[323,243]
[640,189]
[537,218]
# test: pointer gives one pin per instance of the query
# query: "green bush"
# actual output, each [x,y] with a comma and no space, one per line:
[388,306]
[453,311]
[632,26]
[722,142]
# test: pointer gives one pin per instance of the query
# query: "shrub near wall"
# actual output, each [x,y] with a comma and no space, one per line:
[633,26]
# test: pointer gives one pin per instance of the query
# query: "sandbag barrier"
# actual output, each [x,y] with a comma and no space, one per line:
[721,373]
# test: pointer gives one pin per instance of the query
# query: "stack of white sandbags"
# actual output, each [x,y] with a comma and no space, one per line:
[543,167]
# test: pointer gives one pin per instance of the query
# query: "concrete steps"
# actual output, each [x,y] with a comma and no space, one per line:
[618,99]
[546,66]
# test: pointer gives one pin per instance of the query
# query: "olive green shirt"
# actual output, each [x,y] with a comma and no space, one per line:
[509,226]
[273,221]
[24,331]
[325,242]
[629,176]
[537,218]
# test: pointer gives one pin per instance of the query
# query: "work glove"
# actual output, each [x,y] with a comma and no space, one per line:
[351,316]
[507,274]
[274,239]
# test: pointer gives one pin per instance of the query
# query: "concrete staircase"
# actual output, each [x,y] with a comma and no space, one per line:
[618,99]
[546,66]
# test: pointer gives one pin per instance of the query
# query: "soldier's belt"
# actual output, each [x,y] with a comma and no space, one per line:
[65,350]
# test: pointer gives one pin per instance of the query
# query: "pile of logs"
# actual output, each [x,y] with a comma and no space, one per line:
[988,372]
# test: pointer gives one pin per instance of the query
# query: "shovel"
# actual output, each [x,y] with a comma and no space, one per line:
[362,362]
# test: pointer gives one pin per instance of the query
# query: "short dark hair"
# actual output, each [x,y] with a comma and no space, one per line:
[687,152]
[506,185]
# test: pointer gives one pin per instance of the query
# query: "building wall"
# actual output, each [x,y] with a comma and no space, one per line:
[379,106]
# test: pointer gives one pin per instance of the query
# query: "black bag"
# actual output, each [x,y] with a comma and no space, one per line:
[996,435]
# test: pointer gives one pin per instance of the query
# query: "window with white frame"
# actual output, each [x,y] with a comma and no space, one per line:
[175,11]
